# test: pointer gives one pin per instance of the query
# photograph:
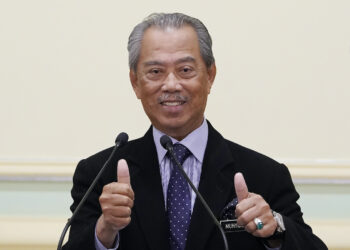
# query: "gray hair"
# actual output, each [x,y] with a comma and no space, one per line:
[169,20]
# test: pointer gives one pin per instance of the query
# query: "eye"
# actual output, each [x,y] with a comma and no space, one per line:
[155,71]
[187,72]
[186,69]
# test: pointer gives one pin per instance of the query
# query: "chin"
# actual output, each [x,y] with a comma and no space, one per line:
[169,125]
[172,126]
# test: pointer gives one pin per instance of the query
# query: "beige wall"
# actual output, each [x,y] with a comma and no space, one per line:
[282,86]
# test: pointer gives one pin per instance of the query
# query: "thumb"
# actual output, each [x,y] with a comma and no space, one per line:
[123,172]
[241,187]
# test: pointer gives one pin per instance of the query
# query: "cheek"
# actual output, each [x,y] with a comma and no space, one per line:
[150,96]
[149,89]
[200,94]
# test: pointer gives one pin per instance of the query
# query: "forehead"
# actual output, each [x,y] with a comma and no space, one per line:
[169,44]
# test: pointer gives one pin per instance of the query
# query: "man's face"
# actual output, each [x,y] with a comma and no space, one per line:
[172,80]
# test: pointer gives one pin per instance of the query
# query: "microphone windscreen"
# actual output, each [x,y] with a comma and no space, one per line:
[121,139]
[166,142]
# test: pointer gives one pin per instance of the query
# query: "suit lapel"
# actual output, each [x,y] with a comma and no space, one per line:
[149,200]
[216,187]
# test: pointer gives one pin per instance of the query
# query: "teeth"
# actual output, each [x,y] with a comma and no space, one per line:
[172,103]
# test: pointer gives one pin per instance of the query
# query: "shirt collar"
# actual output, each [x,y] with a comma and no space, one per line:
[196,142]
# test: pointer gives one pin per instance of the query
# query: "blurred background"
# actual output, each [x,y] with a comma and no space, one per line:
[282,88]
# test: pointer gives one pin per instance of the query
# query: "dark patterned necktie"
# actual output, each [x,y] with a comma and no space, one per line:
[178,202]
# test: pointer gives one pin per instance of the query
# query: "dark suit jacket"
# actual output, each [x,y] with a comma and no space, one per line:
[149,226]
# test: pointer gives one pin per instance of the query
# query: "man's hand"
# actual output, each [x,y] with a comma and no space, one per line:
[251,206]
[116,201]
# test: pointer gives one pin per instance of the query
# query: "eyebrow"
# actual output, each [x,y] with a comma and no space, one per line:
[185,59]
[181,60]
[151,63]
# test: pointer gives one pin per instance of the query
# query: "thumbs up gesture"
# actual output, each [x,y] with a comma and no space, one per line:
[252,211]
[116,201]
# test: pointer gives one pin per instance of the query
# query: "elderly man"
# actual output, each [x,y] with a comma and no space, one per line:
[143,202]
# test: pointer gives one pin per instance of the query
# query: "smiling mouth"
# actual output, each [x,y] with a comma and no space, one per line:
[172,103]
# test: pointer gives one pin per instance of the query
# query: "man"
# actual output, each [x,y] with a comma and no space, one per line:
[139,205]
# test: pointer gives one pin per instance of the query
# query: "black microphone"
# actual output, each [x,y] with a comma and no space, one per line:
[120,141]
[166,142]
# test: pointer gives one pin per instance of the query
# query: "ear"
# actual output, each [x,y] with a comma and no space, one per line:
[211,76]
[134,83]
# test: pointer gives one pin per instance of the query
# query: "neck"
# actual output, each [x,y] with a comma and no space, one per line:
[179,133]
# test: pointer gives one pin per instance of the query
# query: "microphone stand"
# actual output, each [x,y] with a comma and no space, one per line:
[122,138]
[168,145]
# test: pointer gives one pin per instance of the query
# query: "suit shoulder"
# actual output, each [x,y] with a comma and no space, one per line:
[261,172]
[245,157]
[102,156]
[244,154]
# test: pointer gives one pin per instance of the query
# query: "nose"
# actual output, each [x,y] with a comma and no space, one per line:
[171,83]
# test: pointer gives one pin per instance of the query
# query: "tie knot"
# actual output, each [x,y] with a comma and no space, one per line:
[181,152]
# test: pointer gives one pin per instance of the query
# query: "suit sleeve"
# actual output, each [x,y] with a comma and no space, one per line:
[283,199]
[82,231]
